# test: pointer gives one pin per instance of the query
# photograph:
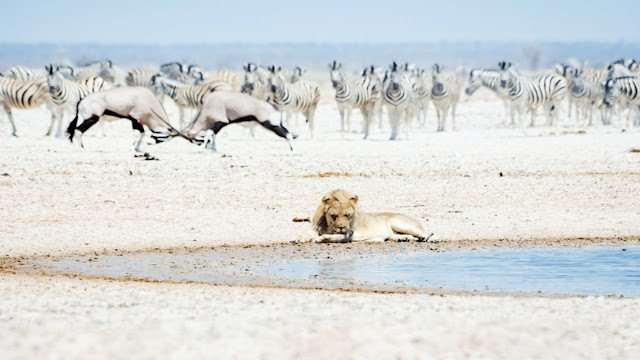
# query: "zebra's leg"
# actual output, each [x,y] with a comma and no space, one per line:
[368,116]
[349,112]
[533,116]
[310,115]
[445,112]
[341,112]
[60,121]
[393,120]
[54,119]
[7,111]
[453,116]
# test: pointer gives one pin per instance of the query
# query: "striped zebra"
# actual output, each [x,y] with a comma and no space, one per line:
[627,87]
[586,92]
[491,80]
[256,81]
[23,73]
[530,93]
[66,94]
[376,76]
[22,95]
[225,76]
[297,74]
[187,96]
[445,95]
[398,96]
[301,97]
[140,77]
[362,94]
[617,69]
[421,87]
[103,69]
[178,71]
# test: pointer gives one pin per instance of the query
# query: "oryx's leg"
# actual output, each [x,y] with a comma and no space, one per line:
[138,132]
[86,125]
[274,123]
[210,136]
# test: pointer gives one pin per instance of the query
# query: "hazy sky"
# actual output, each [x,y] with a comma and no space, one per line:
[174,22]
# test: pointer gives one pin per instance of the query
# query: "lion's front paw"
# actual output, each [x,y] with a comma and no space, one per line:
[302,239]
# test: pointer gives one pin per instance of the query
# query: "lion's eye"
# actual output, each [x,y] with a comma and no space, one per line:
[334,216]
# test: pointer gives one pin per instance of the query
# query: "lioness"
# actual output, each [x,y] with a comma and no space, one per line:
[338,220]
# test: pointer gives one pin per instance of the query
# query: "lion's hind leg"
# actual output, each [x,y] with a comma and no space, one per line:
[405,225]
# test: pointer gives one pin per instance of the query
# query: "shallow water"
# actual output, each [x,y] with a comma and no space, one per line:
[583,271]
[586,271]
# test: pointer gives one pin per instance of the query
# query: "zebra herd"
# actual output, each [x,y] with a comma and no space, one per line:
[404,90]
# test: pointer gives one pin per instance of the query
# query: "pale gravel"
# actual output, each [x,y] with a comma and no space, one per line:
[57,200]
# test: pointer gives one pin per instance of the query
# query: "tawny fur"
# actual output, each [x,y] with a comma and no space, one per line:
[338,219]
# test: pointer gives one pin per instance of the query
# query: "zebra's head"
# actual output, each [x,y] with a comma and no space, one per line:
[276,80]
[611,92]
[396,78]
[507,73]
[337,77]
[298,72]
[196,73]
[474,82]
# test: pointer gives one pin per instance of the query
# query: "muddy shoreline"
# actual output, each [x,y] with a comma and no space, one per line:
[239,265]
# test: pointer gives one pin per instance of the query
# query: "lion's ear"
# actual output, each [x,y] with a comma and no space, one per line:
[354,199]
[326,200]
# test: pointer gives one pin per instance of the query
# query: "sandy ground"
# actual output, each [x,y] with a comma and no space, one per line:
[555,184]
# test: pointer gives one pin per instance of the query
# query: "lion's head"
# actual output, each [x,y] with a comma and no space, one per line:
[336,214]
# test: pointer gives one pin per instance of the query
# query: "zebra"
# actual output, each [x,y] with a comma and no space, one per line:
[445,94]
[586,92]
[302,97]
[140,77]
[619,68]
[491,80]
[22,95]
[223,75]
[627,86]
[398,96]
[375,75]
[298,73]
[362,95]
[103,69]
[187,96]
[547,91]
[421,88]
[180,72]
[256,82]
[66,94]
[23,73]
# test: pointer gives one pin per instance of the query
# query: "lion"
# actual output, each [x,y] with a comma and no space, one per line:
[338,220]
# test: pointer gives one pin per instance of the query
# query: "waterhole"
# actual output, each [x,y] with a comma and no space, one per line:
[579,271]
